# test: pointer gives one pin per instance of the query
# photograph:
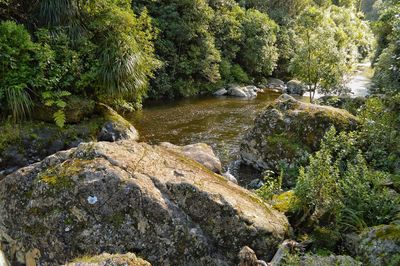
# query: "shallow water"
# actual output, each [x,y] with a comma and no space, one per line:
[217,121]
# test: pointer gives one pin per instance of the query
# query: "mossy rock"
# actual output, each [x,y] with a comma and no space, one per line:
[287,131]
[283,202]
[121,196]
[380,245]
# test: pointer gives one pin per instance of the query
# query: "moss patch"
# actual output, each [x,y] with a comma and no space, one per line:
[59,176]
[284,201]
[388,232]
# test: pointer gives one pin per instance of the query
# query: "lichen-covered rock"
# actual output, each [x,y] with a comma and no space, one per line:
[200,152]
[120,197]
[288,130]
[379,245]
[106,259]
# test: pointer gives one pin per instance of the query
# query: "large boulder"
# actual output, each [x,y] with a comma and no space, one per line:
[288,130]
[200,152]
[120,197]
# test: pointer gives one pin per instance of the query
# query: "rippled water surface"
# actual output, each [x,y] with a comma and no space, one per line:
[217,121]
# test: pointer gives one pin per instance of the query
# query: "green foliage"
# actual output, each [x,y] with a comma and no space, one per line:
[93,49]
[17,68]
[339,189]
[185,45]
[380,133]
[387,67]
[258,53]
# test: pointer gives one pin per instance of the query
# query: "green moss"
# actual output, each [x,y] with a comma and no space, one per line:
[388,232]
[284,142]
[284,201]
[9,134]
[59,176]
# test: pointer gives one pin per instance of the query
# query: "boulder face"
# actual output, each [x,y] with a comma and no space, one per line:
[125,197]
[288,130]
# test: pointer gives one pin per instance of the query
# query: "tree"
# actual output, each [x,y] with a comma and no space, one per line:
[94,48]
[258,53]
[330,43]
[185,45]
[318,61]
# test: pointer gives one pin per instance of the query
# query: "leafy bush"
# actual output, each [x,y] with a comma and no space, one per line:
[338,182]
[380,133]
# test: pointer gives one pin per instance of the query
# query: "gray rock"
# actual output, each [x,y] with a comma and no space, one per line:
[200,152]
[276,85]
[288,130]
[255,184]
[165,207]
[221,92]
[243,92]
[116,127]
[114,131]
[238,92]
[295,87]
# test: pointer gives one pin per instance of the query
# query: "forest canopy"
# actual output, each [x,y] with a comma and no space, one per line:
[121,52]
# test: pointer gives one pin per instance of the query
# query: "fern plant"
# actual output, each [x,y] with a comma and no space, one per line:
[56,99]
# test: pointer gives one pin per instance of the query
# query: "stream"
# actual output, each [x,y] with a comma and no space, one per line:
[218,121]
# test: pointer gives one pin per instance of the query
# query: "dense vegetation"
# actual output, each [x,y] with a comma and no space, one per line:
[353,181]
[121,51]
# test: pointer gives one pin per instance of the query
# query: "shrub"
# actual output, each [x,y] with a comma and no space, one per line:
[338,182]
[17,68]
